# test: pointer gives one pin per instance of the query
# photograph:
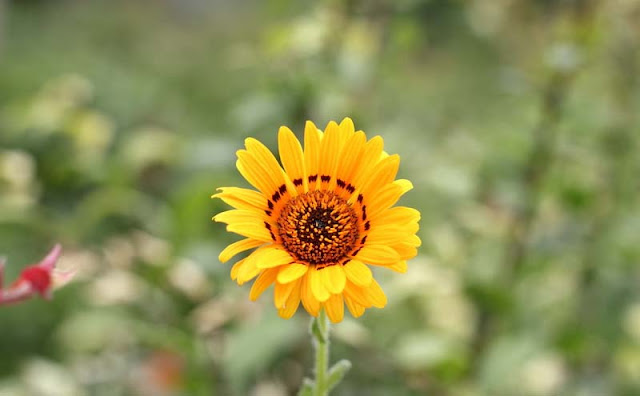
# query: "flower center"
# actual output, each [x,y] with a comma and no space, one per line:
[318,227]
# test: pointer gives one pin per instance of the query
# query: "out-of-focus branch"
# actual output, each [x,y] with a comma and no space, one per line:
[620,188]
[3,12]
[534,171]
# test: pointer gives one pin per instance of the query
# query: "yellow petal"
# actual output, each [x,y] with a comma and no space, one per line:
[329,150]
[292,303]
[238,247]
[347,126]
[241,216]
[400,266]
[292,157]
[262,282]
[350,156]
[397,215]
[273,257]
[358,273]
[311,151]
[387,196]
[357,294]
[247,271]
[378,254]
[267,161]
[383,174]
[334,278]
[390,234]
[292,272]
[375,295]
[251,170]
[317,285]
[370,156]
[241,198]
[335,308]
[406,251]
[310,303]
[235,269]
[356,309]
[250,230]
[414,240]
[281,293]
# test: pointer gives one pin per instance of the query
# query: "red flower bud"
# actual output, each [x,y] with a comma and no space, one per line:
[39,279]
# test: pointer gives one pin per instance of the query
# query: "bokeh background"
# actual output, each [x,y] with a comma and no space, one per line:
[517,121]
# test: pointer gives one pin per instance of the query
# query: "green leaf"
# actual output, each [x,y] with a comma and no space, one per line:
[337,373]
[307,387]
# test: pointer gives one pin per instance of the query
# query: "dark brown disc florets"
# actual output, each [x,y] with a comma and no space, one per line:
[318,228]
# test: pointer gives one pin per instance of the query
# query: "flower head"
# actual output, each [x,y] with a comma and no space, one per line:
[320,220]
[39,278]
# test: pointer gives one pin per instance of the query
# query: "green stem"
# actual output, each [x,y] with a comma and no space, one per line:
[325,379]
[321,346]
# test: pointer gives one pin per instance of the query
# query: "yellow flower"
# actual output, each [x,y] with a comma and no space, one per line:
[318,224]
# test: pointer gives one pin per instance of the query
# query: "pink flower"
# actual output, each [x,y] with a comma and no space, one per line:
[39,278]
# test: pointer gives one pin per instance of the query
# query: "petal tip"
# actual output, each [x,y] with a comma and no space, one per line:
[50,259]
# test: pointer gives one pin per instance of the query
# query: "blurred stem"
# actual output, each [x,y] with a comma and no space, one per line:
[3,11]
[320,333]
[618,195]
[535,169]
[534,172]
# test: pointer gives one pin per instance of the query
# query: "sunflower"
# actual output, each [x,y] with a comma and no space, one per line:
[318,224]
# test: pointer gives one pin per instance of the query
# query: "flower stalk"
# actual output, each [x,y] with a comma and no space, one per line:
[325,379]
[320,331]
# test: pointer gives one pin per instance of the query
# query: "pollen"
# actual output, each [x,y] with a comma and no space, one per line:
[318,228]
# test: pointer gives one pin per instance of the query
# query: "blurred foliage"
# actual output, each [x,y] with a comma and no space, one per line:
[517,122]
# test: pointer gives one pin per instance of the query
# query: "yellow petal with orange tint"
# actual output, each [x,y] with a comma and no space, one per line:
[251,170]
[316,282]
[357,294]
[334,278]
[358,273]
[356,309]
[235,269]
[281,293]
[383,174]
[241,198]
[400,266]
[310,303]
[262,282]
[292,272]
[375,295]
[334,307]
[292,157]
[389,234]
[292,303]
[251,230]
[387,196]
[397,215]
[247,271]
[377,254]
[238,247]
[273,257]
[311,150]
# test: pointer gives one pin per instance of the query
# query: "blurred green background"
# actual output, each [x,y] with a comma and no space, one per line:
[517,121]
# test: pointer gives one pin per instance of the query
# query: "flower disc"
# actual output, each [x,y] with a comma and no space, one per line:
[319,228]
